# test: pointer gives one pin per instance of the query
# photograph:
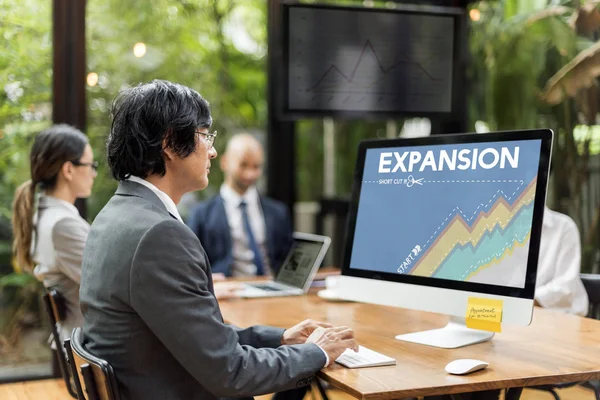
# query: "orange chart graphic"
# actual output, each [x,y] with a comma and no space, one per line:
[459,235]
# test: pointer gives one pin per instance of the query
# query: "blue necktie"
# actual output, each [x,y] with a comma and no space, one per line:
[258,261]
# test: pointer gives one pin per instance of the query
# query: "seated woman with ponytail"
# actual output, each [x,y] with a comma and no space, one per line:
[49,234]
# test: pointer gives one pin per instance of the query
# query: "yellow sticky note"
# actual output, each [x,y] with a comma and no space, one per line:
[484,314]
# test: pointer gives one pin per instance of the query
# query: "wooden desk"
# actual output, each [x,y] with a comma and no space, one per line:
[555,348]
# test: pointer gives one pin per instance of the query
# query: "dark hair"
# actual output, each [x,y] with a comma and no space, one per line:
[51,149]
[147,115]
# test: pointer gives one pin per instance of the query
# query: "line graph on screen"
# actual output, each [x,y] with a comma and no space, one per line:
[368,72]
[406,67]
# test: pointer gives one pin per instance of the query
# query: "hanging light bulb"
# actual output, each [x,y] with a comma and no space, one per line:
[139,50]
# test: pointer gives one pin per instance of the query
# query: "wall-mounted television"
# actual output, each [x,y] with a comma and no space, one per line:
[360,62]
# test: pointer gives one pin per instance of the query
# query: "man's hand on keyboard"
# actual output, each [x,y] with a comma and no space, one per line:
[334,341]
[298,333]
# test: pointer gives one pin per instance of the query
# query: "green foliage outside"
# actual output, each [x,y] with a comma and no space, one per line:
[25,94]
[25,90]
[186,42]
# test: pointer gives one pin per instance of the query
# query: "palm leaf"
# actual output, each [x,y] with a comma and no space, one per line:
[552,11]
[579,73]
[587,19]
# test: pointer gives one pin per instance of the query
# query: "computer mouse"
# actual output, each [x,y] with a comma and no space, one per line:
[465,366]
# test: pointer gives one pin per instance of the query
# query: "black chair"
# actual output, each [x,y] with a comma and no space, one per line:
[56,310]
[95,377]
[591,282]
[592,287]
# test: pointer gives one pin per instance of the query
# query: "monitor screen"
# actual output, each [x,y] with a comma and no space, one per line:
[300,262]
[452,211]
[342,60]
[460,211]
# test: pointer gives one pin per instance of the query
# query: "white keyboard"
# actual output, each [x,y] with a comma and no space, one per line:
[364,358]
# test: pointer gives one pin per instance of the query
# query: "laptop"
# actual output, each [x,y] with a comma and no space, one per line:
[297,271]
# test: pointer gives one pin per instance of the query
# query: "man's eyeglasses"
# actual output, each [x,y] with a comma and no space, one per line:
[94,164]
[209,138]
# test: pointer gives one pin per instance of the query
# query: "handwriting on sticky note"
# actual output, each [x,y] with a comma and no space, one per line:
[484,314]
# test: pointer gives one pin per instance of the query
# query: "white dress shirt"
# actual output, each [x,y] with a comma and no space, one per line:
[243,256]
[558,284]
[166,200]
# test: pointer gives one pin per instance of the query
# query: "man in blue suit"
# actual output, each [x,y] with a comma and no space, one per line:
[243,233]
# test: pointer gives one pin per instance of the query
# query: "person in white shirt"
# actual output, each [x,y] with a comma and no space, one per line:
[49,239]
[558,284]
[244,234]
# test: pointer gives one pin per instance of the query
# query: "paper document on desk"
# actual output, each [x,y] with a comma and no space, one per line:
[364,358]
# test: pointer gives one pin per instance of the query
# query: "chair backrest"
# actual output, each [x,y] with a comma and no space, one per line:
[96,376]
[592,287]
[56,309]
[58,303]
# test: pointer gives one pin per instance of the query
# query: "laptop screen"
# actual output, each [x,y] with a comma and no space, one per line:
[302,261]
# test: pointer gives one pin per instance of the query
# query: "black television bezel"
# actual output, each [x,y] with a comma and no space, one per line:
[545,135]
[458,102]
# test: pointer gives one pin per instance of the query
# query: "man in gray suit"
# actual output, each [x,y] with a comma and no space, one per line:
[146,287]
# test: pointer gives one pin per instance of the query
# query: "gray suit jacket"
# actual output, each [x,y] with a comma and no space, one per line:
[149,310]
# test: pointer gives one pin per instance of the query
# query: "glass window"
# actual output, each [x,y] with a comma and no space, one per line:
[217,48]
[25,109]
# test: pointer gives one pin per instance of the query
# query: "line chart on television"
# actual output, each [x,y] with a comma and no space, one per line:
[380,62]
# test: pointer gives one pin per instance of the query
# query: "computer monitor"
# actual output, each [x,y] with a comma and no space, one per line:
[353,62]
[435,221]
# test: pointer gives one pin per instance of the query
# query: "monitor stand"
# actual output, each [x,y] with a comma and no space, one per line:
[455,334]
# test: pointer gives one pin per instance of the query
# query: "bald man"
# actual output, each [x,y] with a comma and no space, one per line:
[244,234]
